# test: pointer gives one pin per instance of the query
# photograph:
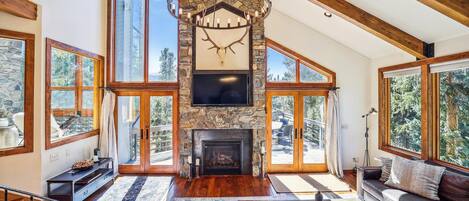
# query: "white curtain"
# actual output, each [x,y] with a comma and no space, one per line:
[333,135]
[107,137]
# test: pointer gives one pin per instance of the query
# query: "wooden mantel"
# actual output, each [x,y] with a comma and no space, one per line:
[21,8]
[456,9]
[375,26]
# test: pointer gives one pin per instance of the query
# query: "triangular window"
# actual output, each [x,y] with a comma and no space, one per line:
[287,66]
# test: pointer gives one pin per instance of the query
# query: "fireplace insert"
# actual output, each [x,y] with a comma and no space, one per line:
[222,151]
[221,157]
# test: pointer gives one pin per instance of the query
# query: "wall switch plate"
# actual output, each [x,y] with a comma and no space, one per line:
[54,157]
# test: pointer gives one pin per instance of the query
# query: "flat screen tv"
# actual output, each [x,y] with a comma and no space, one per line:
[221,90]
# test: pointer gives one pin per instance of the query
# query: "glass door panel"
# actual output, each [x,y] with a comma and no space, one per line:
[161,130]
[282,131]
[313,129]
[129,134]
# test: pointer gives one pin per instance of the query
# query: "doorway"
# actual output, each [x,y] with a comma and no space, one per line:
[146,125]
[296,131]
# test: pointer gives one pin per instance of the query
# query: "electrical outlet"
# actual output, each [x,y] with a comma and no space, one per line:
[53,157]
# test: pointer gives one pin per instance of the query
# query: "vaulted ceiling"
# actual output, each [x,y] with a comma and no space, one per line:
[410,16]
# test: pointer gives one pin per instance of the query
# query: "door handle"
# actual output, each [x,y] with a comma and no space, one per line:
[148,133]
[296,133]
[141,133]
[301,133]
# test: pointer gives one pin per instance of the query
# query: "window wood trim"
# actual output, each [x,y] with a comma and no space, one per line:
[29,40]
[429,109]
[299,59]
[98,81]
[111,55]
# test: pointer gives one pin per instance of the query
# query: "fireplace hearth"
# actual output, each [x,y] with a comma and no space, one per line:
[223,151]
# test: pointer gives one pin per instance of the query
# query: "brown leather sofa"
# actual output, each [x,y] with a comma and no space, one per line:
[454,186]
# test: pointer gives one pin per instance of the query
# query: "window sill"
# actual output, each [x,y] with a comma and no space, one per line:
[400,152]
[68,140]
[451,166]
[16,150]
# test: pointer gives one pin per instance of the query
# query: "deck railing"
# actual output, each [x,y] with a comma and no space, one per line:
[316,127]
[10,192]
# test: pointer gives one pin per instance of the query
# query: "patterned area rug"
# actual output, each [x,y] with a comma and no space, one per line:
[138,188]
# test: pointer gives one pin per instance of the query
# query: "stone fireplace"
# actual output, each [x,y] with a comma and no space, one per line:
[194,118]
[223,151]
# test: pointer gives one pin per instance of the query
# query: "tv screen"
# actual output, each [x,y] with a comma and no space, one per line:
[220,89]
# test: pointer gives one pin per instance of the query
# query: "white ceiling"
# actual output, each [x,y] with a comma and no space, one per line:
[408,15]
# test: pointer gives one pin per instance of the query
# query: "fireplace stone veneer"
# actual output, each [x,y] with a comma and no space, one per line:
[223,151]
[192,118]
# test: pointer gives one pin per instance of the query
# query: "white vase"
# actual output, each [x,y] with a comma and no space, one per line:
[4,122]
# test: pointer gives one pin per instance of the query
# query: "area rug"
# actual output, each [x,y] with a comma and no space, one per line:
[138,188]
[307,183]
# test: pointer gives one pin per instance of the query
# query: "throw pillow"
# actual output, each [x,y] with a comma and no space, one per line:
[386,164]
[416,177]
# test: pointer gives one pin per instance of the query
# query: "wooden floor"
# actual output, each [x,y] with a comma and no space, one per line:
[224,186]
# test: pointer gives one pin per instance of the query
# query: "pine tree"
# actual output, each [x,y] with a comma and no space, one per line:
[167,65]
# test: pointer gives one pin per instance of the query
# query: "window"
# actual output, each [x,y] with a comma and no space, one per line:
[402,111]
[286,68]
[138,64]
[405,114]
[296,96]
[144,43]
[73,95]
[452,98]
[16,89]
[424,110]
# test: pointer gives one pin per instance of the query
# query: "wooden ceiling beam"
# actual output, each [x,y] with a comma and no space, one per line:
[21,8]
[375,26]
[458,10]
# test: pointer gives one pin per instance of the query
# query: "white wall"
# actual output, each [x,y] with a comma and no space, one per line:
[446,47]
[78,23]
[23,171]
[81,24]
[350,67]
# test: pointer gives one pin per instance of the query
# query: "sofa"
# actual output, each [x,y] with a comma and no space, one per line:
[454,186]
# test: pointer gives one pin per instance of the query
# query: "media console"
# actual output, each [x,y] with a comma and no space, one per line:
[78,185]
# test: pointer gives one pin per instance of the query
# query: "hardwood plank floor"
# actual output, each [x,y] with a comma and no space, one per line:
[222,186]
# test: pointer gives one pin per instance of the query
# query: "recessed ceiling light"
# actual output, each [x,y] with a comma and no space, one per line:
[327,14]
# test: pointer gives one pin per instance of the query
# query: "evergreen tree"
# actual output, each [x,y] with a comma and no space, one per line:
[167,65]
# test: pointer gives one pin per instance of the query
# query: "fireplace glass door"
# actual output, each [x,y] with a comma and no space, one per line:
[146,125]
[295,131]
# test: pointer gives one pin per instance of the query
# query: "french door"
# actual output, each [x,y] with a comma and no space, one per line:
[296,131]
[146,126]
